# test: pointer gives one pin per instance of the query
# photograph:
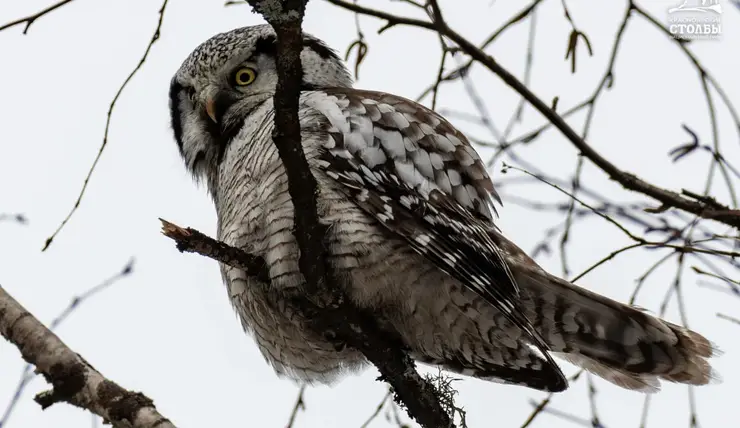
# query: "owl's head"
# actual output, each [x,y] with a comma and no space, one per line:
[226,78]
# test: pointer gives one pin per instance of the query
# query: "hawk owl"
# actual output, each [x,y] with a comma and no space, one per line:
[409,208]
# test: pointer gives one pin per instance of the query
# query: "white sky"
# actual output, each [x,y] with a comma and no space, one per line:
[169,331]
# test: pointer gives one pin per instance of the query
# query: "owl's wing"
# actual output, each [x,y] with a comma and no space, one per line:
[418,176]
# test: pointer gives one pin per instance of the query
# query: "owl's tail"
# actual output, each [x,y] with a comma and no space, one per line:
[617,342]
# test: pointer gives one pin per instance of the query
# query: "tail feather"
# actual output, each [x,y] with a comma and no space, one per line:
[633,381]
[617,342]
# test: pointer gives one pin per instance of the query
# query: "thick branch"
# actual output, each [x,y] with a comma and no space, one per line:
[73,379]
[324,302]
[76,302]
[667,198]
[286,18]
[340,322]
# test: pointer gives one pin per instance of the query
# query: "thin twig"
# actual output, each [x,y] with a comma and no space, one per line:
[463,69]
[681,248]
[592,392]
[299,405]
[528,62]
[154,38]
[629,181]
[704,73]
[566,416]
[28,20]
[540,407]
[15,218]
[388,395]
[728,318]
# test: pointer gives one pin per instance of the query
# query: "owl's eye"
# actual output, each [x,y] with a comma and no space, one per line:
[244,76]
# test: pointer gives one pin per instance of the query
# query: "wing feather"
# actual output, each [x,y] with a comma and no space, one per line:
[420,178]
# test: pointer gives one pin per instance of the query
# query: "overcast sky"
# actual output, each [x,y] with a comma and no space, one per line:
[168,330]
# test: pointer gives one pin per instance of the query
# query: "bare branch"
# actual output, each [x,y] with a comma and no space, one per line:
[728,318]
[668,198]
[703,72]
[131,75]
[378,408]
[16,218]
[343,322]
[299,405]
[393,20]
[323,301]
[28,20]
[191,241]
[569,417]
[541,407]
[73,379]
[680,248]
[26,374]
[462,70]
[286,18]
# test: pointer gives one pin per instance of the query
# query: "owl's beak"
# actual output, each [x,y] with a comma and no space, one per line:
[211,109]
[216,102]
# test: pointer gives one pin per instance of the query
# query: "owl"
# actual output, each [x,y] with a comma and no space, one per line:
[409,209]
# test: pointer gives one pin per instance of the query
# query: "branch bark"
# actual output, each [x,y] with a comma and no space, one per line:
[286,18]
[338,321]
[73,379]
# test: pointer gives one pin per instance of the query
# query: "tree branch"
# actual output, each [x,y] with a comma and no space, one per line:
[111,106]
[30,19]
[15,218]
[340,322]
[286,18]
[27,373]
[299,405]
[667,198]
[322,301]
[73,379]
[191,241]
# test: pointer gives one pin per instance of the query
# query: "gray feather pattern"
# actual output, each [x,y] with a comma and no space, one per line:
[410,211]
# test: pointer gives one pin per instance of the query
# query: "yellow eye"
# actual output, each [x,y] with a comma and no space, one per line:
[245,76]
